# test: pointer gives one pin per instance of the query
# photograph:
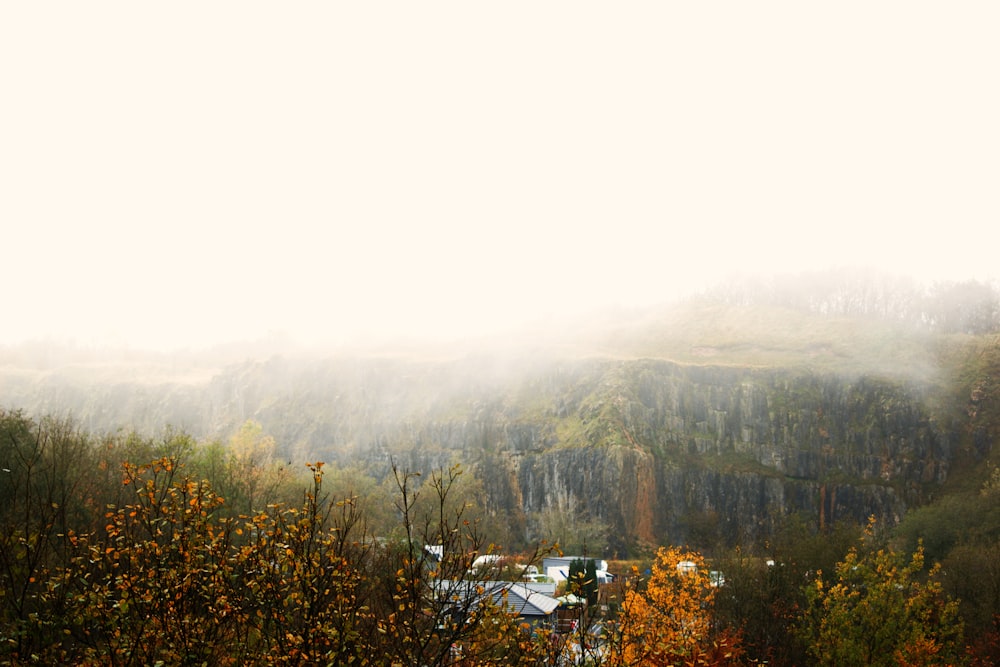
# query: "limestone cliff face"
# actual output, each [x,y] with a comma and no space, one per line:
[664,452]
[649,501]
[661,452]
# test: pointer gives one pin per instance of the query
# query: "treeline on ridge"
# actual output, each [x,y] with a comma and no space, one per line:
[971,307]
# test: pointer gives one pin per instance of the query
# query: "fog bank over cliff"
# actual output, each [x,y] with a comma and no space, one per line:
[711,421]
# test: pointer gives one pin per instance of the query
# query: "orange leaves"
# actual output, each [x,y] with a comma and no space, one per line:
[670,621]
[172,581]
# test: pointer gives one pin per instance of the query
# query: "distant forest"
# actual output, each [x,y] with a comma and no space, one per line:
[970,307]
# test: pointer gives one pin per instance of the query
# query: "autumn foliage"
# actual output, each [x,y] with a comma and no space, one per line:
[167,577]
[107,562]
[881,608]
[671,621]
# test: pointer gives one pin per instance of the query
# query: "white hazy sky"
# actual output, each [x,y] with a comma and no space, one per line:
[181,172]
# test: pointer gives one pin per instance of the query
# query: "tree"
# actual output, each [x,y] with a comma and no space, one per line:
[590,585]
[155,583]
[374,500]
[306,581]
[582,579]
[671,621]
[879,610]
[172,578]
[562,521]
[43,467]
[244,470]
[761,598]
[763,587]
[431,605]
[968,307]
[105,561]
[971,574]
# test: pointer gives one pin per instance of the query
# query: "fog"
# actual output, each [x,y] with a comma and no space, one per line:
[191,174]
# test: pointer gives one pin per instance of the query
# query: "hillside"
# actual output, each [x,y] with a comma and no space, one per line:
[704,422]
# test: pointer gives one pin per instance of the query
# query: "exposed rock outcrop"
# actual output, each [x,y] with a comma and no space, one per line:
[665,452]
[659,451]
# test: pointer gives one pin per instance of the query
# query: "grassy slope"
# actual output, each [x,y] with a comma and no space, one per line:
[705,332]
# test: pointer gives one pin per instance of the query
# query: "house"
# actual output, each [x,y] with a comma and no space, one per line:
[686,567]
[435,552]
[557,567]
[487,561]
[525,602]
[545,587]
[528,605]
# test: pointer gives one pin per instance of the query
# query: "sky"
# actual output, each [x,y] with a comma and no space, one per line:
[185,173]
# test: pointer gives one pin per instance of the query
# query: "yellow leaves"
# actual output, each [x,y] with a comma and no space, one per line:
[672,617]
[300,586]
[880,606]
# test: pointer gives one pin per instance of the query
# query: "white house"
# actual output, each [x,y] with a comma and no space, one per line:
[557,567]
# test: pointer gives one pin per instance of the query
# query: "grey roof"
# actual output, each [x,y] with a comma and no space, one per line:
[521,600]
[526,602]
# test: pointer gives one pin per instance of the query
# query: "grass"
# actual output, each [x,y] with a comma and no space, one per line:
[710,333]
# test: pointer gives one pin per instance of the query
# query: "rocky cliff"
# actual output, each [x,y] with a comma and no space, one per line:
[667,452]
[658,451]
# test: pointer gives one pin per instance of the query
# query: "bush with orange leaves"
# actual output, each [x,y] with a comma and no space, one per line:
[671,621]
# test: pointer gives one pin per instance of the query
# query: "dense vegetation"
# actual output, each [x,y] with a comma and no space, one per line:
[107,561]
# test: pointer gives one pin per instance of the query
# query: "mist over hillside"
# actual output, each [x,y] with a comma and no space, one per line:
[714,418]
[843,323]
